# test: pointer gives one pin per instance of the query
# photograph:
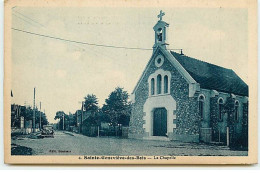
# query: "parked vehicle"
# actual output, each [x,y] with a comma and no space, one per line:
[47,131]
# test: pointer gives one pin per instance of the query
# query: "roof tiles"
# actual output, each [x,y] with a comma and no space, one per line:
[211,76]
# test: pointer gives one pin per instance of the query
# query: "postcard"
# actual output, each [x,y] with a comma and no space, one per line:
[130,82]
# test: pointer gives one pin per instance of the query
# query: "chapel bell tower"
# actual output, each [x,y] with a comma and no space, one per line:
[160,30]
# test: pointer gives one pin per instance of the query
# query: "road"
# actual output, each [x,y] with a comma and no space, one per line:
[76,144]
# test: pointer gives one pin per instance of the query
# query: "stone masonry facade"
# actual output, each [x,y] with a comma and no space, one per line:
[187,114]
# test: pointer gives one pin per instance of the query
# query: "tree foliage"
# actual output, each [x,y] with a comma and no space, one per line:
[18,111]
[91,104]
[229,109]
[69,120]
[117,107]
[59,115]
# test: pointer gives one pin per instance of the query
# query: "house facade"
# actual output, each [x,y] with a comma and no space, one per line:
[181,98]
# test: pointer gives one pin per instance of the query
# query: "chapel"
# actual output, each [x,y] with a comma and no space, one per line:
[185,99]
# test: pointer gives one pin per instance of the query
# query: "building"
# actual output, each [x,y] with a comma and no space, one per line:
[181,98]
[78,115]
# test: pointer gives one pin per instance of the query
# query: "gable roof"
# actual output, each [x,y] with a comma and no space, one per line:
[172,60]
[211,76]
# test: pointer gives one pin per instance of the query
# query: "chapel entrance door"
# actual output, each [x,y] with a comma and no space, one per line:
[160,122]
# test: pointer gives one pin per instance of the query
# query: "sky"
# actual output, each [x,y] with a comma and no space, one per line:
[64,72]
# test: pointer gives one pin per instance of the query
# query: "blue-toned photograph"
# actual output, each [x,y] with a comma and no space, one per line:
[103,81]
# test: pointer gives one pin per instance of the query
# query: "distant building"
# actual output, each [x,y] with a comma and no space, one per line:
[17,119]
[78,115]
[182,98]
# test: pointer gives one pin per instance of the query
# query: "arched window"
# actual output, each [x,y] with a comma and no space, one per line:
[165,84]
[159,84]
[220,108]
[159,34]
[152,86]
[236,110]
[201,106]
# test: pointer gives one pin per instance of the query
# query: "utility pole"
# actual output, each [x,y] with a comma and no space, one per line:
[77,118]
[77,125]
[228,136]
[40,124]
[34,110]
[98,131]
[63,122]
[44,112]
[82,116]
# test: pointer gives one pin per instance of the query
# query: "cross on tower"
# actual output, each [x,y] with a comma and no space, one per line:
[161,15]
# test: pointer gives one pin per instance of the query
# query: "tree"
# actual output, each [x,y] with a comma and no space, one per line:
[103,117]
[72,120]
[90,122]
[15,118]
[27,113]
[44,120]
[59,115]
[229,109]
[117,107]
[91,104]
